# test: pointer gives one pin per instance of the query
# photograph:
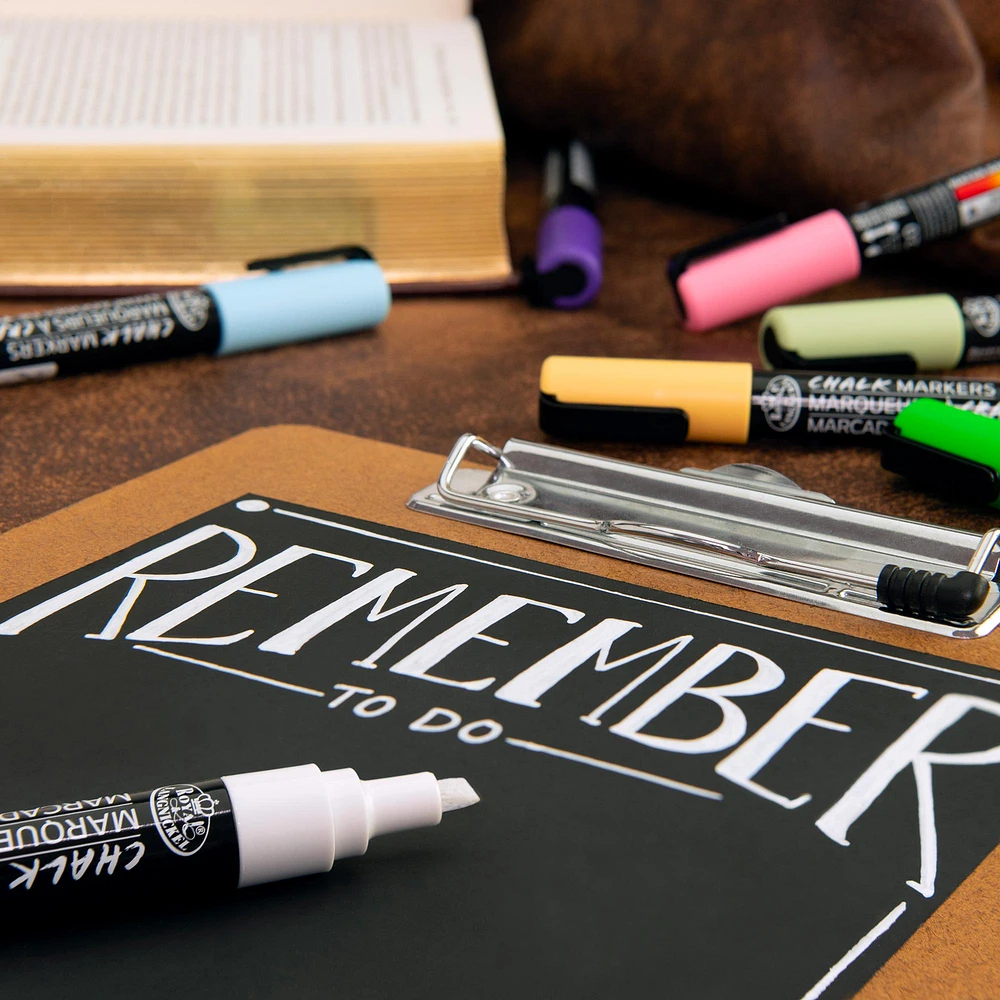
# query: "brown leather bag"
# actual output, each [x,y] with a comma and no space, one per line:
[794,104]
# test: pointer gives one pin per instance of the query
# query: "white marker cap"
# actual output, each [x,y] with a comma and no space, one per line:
[298,820]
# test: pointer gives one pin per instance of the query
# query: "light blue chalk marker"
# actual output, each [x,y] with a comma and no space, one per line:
[282,306]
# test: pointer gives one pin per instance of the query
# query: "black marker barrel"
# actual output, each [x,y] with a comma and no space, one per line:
[848,408]
[112,334]
[935,211]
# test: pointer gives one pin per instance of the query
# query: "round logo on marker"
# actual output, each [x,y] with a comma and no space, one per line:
[781,403]
[190,306]
[983,312]
[183,815]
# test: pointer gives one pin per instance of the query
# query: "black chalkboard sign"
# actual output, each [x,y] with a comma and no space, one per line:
[678,799]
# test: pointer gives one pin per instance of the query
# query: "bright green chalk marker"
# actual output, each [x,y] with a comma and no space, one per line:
[946,450]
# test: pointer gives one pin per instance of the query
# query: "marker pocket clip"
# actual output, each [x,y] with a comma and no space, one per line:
[347,252]
[599,422]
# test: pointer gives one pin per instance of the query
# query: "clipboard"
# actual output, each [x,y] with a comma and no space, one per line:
[956,952]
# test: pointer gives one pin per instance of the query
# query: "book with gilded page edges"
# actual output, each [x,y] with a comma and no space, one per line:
[148,147]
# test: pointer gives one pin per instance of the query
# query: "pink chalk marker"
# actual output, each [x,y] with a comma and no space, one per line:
[773,262]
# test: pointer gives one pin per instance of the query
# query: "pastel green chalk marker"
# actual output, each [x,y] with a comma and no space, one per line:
[946,450]
[905,335]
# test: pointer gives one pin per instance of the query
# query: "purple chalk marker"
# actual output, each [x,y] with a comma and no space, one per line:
[567,270]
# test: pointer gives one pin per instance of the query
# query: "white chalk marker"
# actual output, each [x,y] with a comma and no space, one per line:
[236,831]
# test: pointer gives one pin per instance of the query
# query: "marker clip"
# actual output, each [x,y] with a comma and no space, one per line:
[940,471]
[348,252]
[599,422]
[544,290]
[742,525]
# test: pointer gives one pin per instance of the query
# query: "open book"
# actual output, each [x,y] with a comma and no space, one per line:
[163,147]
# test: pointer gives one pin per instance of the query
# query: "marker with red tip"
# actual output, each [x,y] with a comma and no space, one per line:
[773,262]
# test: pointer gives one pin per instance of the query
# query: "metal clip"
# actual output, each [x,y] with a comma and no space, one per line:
[743,525]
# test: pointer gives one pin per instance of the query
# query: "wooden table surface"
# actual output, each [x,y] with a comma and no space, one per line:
[439,366]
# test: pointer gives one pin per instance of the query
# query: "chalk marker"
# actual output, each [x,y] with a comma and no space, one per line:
[771,262]
[568,268]
[227,833]
[225,317]
[947,451]
[902,334]
[669,402]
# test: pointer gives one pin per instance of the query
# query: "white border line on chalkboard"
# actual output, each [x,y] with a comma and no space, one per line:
[857,951]
[633,597]
[260,678]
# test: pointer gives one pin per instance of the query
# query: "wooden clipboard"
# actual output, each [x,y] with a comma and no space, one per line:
[956,953]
